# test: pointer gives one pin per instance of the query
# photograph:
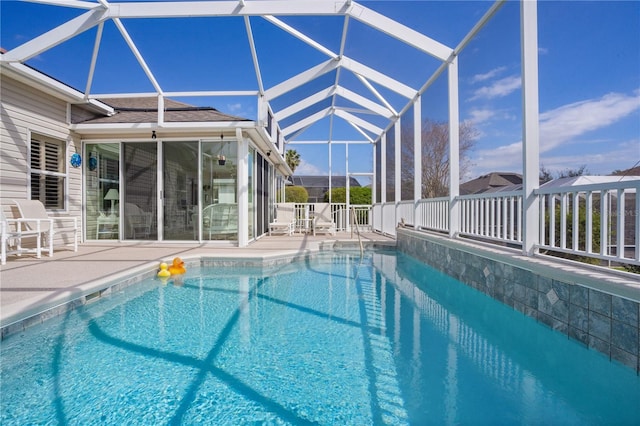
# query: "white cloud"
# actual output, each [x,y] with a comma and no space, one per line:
[477,116]
[483,77]
[306,168]
[561,126]
[234,107]
[499,89]
[542,51]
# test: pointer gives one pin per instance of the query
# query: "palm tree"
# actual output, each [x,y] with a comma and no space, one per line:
[293,159]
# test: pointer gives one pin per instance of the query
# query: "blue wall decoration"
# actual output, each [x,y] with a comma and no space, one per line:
[76,160]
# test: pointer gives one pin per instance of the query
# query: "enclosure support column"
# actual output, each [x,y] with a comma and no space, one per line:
[383,168]
[374,186]
[243,190]
[397,148]
[346,184]
[454,148]
[417,150]
[530,129]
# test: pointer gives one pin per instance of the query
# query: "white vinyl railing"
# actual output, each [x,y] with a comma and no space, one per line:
[493,216]
[433,214]
[340,216]
[598,221]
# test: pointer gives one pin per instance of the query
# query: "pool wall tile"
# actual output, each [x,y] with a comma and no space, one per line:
[603,322]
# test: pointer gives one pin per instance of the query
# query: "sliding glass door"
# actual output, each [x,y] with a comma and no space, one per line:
[140,188]
[180,192]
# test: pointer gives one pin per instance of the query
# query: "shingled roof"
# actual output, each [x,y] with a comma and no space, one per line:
[145,110]
[489,182]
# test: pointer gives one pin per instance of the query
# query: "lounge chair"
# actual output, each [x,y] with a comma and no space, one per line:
[36,219]
[322,222]
[12,234]
[285,221]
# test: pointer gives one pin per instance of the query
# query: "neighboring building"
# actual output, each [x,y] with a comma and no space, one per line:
[182,176]
[492,182]
[317,186]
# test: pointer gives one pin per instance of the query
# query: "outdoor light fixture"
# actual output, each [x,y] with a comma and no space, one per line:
[269,153]
[112,195]
[153,134]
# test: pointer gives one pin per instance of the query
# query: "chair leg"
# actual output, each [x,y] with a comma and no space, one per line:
[38,246]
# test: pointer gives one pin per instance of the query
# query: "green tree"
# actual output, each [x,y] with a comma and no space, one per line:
[357,195]
[296,194]
[293,159]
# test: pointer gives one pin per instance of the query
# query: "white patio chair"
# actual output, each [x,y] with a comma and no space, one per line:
[11,237]
[322,221]
[35,218]
[220,219]
[285,221]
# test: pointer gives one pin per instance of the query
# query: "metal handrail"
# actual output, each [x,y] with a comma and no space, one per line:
[354,222]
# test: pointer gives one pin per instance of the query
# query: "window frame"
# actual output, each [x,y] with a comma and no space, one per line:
[42,138]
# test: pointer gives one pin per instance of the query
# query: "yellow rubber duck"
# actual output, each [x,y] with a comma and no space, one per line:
[164,273]
[177,268]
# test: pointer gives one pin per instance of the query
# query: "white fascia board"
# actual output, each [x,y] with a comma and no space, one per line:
[364,102]
[400,32]
[373,75]
[51,86]
[305,122]
[56,36]
[173,127]
[300,79]
[300,36]
[332,142]
[177,9]
[358,121]
[305,103]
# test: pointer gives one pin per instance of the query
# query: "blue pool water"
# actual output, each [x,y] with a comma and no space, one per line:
[331,340]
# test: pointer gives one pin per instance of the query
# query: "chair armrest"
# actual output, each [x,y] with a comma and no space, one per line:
[38,223]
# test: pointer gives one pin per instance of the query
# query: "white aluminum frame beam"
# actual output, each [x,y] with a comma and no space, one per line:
[137,54]
[400,32]
[305,103]
[299,35]
[56,36]
[306,122]
[358,121]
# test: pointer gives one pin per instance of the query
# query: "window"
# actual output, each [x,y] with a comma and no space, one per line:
[48,174]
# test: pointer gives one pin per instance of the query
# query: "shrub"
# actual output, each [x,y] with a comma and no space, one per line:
[295,194]
[357,195]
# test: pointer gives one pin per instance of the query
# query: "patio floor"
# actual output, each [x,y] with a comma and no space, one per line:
[26,283]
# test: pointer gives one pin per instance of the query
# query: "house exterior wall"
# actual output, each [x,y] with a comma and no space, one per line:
[26,110]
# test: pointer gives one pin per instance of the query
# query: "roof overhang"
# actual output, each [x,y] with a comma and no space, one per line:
[51,86]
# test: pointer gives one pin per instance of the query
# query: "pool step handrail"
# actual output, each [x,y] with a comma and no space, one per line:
[354,223]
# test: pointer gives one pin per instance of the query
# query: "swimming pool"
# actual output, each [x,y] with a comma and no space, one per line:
[333,339]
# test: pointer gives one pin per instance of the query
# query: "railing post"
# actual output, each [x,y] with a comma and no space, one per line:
[530,129]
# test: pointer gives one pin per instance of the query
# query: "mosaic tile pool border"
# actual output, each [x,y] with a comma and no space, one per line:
[601,321]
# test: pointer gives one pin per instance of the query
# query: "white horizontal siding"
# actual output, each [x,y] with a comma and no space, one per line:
[26,110]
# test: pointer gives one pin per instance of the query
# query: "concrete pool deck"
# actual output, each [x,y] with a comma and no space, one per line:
[29,285]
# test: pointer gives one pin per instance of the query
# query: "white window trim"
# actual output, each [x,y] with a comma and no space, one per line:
[65,174]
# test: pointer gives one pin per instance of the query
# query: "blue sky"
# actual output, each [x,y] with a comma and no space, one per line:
[589,71]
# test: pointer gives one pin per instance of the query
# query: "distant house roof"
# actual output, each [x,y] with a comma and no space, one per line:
[491,182]
[145,110]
